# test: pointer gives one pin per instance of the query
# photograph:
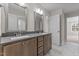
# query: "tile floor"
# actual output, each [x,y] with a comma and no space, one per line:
[69,49]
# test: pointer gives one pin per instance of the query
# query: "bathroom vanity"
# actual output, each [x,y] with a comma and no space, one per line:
[26,45]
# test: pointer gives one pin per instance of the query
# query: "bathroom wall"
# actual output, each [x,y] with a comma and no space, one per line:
[4,17]
[0,21]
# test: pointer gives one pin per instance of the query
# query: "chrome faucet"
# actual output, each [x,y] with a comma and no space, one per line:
[16,34]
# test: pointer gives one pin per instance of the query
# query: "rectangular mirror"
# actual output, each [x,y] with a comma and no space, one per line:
[16,18]
[38,22]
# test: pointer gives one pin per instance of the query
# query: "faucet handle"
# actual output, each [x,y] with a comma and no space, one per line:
[15,34]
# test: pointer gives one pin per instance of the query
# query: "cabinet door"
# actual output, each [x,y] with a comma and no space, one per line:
[35,47]
[1,51]
[30,47]
[12,49]
[47,43]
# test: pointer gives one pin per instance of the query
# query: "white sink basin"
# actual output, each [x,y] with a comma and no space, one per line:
[19,37]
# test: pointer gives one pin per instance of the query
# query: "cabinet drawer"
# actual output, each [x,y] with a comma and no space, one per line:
[40,49]
[40,44]
[40,38]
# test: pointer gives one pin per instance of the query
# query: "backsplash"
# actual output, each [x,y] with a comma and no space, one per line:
[22,33]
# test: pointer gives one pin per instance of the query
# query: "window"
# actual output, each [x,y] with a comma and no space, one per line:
[75,27]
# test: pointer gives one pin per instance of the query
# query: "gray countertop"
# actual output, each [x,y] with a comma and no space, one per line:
[12,39]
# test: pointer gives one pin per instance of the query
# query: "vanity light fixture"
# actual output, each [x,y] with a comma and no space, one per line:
[21,4]
[38,10]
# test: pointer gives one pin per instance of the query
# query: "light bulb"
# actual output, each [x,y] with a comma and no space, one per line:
[21,4]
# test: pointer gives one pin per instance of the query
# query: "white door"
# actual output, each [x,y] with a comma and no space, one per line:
[54,28]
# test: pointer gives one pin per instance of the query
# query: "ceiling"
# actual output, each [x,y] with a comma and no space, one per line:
[66,7]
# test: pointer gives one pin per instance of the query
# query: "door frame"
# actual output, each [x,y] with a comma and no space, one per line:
[60,21]
[60,43]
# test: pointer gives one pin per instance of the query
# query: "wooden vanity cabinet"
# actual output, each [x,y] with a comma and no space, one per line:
[30,47]
[40,46]
[47,43]
[35,46]
[14,49]
[27,47]
[1,50]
